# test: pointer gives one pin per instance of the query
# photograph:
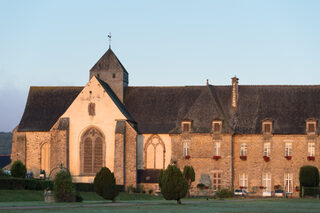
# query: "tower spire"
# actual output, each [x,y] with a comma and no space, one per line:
[109,36]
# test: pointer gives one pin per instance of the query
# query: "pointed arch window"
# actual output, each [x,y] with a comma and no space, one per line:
[92,149]
[154,153]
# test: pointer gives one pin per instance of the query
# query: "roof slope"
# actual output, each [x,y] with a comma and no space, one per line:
[108,61]
[45,105]
[288,106]
[161,109]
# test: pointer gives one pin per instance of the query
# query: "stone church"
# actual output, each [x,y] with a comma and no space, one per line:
[235,136]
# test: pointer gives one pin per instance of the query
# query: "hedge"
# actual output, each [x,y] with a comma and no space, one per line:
[9,183]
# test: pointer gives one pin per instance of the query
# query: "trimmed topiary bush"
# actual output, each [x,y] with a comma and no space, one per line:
[18,169]
[63,188]
[309,177]
[189,175]
[105,184]
[172,184]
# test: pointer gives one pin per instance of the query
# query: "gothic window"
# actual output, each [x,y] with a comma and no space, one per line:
[92,109]
[92,149]
[154,153]
[45,157]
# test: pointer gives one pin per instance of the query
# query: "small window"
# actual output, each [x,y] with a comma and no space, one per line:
[267,128]
[288,149]
[243,180]
[311,127]
[216,126]
[91,109]
[186,149]
[113,75]
[266,149]
[217,181]
[98,75]
[186,126]
[243,149]
[311,149]
[288,183]
[217,149]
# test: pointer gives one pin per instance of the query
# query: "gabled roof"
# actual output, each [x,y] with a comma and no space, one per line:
[115,99]
[45,105]
[108,61]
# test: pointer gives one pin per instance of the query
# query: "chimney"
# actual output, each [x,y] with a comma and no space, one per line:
[234,91]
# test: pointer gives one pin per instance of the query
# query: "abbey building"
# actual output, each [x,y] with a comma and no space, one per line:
[235,136]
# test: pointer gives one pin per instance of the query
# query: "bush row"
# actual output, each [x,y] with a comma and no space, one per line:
[36,184]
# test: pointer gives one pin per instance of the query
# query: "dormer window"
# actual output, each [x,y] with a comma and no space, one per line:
[267,127]
[216,127]
[186,126]
[311,126]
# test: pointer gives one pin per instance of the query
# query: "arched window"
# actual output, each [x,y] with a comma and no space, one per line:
[92,149]
[45,157]
[154,153]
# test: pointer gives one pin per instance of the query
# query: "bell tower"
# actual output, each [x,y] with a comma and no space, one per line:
[110,70]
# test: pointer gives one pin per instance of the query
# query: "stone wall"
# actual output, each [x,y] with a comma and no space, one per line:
[201,157]
[130,156]
[278,165]
[18,146]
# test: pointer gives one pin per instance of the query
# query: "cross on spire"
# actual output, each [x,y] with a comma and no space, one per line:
[109,36]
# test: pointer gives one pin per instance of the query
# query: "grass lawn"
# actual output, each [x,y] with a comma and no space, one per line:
[130,203]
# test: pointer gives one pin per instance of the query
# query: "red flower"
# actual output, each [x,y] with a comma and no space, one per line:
[311,158]
[187,157]
[241,187]
[243,157]
[216,157]
[288,157]
[266,158]
[261,187]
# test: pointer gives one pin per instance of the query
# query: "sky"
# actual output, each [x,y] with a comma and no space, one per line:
[160,43]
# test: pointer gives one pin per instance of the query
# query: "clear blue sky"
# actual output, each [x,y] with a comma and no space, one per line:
[48,43]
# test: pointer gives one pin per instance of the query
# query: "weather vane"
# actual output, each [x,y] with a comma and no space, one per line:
[109,36]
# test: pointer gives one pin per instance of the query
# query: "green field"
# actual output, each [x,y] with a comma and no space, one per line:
[146,203]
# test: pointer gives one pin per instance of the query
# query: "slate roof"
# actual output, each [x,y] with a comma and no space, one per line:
[108,61]
[161,109]
[45,105]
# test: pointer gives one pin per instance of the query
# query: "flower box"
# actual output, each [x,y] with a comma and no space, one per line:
[187,157]
[261,187]
[266,158]
[288,157]
[243,157]
[297,188]
[216,157]
[311,158]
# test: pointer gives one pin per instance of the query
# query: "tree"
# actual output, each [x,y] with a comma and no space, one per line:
[63,188]
[189,175]
[309,177]
[105,184]
[18,169]
[172,184]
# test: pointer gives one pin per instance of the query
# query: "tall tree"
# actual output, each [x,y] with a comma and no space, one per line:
[189,175]
[172,184]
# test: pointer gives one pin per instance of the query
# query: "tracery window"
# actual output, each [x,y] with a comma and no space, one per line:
[154,153]
[92,149]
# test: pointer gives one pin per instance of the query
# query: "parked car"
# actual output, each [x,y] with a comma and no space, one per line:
[278,193]
[240,192]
